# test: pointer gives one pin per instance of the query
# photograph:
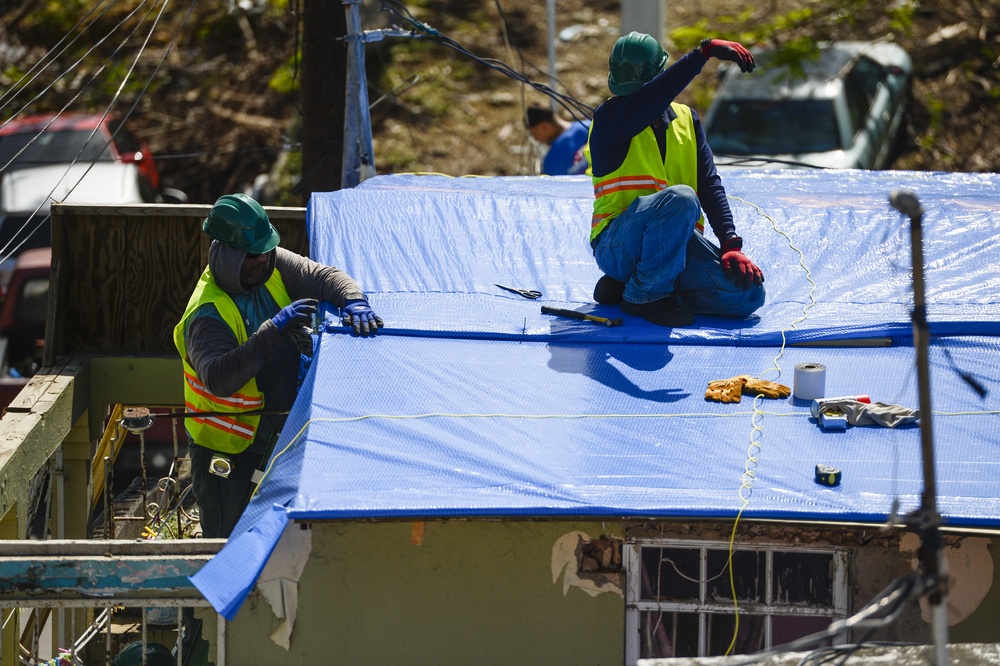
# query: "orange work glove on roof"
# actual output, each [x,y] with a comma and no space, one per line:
[766,388]
[726,390]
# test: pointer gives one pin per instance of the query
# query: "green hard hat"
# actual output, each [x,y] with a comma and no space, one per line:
[635,59]
[239,221]
[156,655]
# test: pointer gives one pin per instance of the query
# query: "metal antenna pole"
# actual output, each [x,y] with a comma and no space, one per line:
[550,7]
[359,155]
[907,203]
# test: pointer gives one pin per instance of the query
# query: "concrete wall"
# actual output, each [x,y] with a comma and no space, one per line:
[492,592]
[974,591]
[468,593]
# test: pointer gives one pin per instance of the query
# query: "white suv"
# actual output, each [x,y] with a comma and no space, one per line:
[845,109]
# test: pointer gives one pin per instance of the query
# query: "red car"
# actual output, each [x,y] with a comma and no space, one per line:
[63,138]
[77,158]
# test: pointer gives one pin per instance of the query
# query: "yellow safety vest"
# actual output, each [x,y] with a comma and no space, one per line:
[643,172]
[225,433]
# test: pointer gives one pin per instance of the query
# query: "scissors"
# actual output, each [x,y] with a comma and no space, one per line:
[531,294]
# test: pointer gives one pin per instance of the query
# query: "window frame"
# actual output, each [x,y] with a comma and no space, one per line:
[635,605]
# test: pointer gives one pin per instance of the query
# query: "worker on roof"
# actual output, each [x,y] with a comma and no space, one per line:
[653,175]
[240,340]
[565,140]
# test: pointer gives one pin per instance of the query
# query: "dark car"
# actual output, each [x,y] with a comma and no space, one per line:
[844,109]
[23,308]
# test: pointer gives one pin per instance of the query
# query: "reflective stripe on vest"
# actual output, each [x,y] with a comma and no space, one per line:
[644,172]
[222,432]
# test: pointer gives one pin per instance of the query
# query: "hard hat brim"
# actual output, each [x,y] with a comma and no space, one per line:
[266,244]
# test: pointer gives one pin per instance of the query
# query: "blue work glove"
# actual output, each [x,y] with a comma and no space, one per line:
[358,314]
[732,51]
[299,313]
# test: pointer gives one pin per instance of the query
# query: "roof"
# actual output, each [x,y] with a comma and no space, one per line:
[473,403]
[65,122]
[769,81]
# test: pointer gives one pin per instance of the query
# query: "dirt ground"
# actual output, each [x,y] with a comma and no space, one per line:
[216,118]
[955,121]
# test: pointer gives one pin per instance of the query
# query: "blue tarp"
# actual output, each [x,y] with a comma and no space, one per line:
[474,403]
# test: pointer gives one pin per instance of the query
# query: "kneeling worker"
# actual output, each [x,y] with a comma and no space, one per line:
[653,174]
[241,361]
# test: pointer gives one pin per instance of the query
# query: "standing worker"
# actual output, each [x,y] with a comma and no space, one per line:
[653,174]
[237,341]
[564,139]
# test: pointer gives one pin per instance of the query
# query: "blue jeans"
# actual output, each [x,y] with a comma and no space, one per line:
[654,249]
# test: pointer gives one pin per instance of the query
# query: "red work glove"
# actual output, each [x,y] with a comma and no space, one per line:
[737,266]
[732,51]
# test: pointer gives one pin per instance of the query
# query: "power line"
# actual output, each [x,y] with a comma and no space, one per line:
[75,65]
[421,30]
[14,90]
[107,111]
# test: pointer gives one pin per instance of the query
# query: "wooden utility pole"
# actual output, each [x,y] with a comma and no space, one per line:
[324,77]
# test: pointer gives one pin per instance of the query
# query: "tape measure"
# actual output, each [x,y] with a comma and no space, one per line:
[827,476]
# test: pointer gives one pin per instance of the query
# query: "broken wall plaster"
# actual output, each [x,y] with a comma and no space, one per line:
[569,553]
[279,581]
[969,566]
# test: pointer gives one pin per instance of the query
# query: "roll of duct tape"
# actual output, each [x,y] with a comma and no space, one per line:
[810,381]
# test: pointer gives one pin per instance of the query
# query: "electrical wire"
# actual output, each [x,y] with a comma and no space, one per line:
[757,160]
[42,65]
[107,111]
[69,69]
[880,612]
[578,110]
[38,225]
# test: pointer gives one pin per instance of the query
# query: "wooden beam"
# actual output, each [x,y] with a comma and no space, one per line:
[31,432]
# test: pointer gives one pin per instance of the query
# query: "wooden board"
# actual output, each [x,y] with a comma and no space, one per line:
[123,274]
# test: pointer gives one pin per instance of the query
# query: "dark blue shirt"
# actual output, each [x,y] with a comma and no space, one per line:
[619,119]
[565,155]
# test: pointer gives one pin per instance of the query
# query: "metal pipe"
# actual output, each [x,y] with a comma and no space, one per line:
[932,557]
[108,528]
[107,636]
[220,649]
[180,636]
[551,11]
[359,154]
[60,534]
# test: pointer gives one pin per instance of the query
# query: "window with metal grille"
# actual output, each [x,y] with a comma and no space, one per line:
[680,596]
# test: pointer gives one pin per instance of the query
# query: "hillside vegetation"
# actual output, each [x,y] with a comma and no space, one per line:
[216,87]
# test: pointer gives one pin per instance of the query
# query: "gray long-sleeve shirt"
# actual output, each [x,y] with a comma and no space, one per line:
[225,366]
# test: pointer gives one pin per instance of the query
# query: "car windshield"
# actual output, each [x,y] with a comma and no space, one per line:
[764,127]
[52,148]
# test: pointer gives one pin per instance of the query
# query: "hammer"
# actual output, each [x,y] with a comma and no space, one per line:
[573,314]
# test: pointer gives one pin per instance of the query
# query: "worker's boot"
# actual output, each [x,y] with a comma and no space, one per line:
[670,311]
[608,291]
